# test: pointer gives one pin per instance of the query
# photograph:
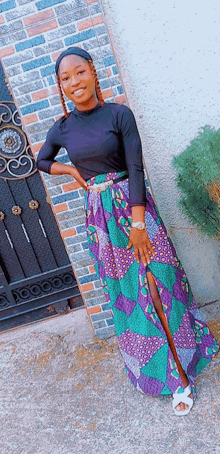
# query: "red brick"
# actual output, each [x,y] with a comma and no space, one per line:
[60,207]
[40,95]
[7,51]
[94,310]
[97,20]
[53,90]
[91,1]
[120,99]
[71,186]
[86,287]
[109,72]
[29,119]
[41,28]
[39,17]
[91,269]
[84,24]
[35,148]
[2,20]
[107,93]
[44,93]
[68,232]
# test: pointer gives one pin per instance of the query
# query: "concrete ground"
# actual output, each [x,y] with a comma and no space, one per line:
[65,392]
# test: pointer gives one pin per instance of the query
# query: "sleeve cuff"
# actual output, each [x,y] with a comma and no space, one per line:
[49,167]
[141,204]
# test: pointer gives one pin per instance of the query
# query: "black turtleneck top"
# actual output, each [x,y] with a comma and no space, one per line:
[100,140]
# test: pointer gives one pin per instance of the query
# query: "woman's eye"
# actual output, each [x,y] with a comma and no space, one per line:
[81,72]
[64,79]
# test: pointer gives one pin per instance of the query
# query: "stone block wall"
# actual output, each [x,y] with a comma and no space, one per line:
[32,35]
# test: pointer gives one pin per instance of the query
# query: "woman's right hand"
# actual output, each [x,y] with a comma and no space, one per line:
[58,168]
[78,177]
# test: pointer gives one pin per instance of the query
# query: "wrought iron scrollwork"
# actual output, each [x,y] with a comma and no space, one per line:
[4,301]
[44,287]
[16,162]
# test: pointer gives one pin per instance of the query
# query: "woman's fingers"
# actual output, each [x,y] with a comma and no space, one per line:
[144,255]
[142,245]
[76,175]
[151,249]
[144,252]
[136,253]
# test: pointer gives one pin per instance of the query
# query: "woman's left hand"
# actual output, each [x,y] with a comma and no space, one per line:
[142,245]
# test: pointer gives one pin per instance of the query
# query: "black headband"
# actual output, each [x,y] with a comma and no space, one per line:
[72,51]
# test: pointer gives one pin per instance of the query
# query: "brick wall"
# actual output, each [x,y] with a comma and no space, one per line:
[32,35]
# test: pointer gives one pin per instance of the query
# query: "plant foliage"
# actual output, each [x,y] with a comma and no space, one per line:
[199,181]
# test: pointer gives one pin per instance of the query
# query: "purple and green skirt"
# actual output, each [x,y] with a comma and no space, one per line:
[142,340]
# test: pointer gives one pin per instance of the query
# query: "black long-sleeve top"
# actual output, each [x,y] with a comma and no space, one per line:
[100,140]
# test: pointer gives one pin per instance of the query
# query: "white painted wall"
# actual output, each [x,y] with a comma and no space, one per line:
[168,54]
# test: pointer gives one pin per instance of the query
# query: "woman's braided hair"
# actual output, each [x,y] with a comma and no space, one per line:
[97,86]
[97,89]
[62,98]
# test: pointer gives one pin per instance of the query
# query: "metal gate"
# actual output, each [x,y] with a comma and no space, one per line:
[35,270]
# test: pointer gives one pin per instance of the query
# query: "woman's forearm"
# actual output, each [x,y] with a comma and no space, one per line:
[65,169]
[57,168]
[138,213]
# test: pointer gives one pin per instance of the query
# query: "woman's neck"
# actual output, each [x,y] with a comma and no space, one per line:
[90,104]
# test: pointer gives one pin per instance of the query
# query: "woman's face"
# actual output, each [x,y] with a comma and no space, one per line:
[77,81]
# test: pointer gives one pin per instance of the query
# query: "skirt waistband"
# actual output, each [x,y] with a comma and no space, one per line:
[108,177]
[98,187]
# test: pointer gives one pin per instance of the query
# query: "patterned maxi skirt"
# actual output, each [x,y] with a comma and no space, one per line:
[142,340]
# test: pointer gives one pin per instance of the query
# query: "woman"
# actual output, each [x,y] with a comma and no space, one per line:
[162,337]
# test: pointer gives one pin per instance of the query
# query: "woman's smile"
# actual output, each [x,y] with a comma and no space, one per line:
[78,82]
[78,92]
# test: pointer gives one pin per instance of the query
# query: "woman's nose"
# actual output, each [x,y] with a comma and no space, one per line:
[74,80]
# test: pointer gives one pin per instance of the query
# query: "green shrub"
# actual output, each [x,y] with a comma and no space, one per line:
[198,179]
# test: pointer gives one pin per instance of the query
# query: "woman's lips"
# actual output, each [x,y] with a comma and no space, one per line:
[78,92]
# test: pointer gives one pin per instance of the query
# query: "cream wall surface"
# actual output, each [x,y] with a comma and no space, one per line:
[168,55]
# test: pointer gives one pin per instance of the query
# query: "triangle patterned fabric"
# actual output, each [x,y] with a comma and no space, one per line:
[142,340]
